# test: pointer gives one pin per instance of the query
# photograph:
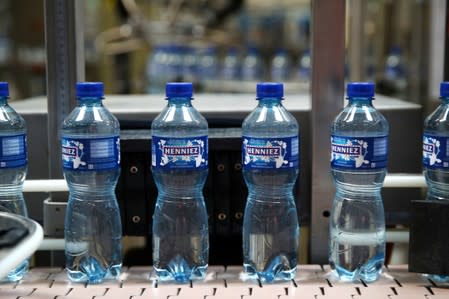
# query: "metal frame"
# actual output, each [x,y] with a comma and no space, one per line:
[328,56]
[64,43]
[356,40]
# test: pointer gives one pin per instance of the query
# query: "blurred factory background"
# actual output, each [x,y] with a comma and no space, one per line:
[134,46]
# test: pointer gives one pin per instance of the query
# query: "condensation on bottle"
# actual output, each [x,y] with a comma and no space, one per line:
[91,165]
[270,158]
[359,149]
[180,167]
[13,166]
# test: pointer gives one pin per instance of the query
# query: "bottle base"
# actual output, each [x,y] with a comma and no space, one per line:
[92,272]
[180,272]
[18,273]
[368,273]
[180,277]
[275,272]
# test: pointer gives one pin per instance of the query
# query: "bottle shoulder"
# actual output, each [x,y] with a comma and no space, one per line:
[360,120]
[10,120]
[182,118]
[91,120]
[270,121]
[438,120]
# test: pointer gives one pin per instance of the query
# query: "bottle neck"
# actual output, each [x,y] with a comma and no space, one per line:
[367,101]
[179,101]
[444,100]
[3,101]
[269,102]
[89,101]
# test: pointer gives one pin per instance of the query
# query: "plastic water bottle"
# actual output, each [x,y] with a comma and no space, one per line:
[280,66]
[13,166]
[156,70]
[252,66]
[179,167]
[394,65]
[395,72]
[305,67]
[270,155]
[359,147]
[231,65]
[91,165]
[435,157]
[208,64]
[189,63]
[435,140]
[174,64]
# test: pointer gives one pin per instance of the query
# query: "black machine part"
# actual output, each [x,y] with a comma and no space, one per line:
[429,237]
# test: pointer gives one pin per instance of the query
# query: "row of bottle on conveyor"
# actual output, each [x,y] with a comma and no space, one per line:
[201,65]
[173,62]
[270,158]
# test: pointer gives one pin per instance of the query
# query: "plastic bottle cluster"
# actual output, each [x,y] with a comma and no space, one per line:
[270,158]
[173,63]
[90,155]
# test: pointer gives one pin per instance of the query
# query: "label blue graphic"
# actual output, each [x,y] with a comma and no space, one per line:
[13,151]
[435,151]
[359,152]
[90,154]
[171,153]
[270,153]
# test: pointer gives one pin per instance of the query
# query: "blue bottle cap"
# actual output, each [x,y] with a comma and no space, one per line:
[4,89]
[89,89]
[270,90]
[360,89]
[444,89]
[179,89]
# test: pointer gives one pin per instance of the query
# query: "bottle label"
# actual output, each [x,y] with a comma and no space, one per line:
[435,151]
[270,153]
[13,151]
[359,152]
[173,153]
[91,154]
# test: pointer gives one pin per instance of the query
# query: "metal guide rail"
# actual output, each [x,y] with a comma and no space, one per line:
[312,281]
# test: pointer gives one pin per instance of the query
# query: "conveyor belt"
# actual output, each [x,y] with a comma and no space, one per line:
[312,281]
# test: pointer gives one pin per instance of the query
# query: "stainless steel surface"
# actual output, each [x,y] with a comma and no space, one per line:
[311,281]
[64,42]
[356,40]
[436,40]
[328,52]
[45,186]
[401,180]
[418,63]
